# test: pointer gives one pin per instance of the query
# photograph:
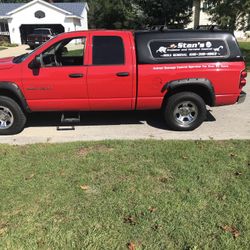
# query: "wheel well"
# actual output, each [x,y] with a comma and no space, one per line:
[202,91]
[13,96]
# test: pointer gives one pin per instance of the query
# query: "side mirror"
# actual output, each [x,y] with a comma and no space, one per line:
[35,63]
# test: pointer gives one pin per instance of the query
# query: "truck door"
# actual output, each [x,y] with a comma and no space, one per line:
[60,82]
[110,75]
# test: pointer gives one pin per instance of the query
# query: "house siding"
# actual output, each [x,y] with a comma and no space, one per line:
[53,16]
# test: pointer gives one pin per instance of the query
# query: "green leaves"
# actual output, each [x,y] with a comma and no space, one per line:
[168,12]
[121,14]
[124,14]
[229,14]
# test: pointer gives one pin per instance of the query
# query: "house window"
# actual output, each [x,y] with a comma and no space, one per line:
[4,28]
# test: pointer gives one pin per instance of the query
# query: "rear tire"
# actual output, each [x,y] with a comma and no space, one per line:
[184,111]
[12,117]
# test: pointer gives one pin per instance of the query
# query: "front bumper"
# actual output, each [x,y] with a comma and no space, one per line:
[242,97]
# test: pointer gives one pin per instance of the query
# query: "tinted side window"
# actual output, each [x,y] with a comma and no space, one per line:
[108,50]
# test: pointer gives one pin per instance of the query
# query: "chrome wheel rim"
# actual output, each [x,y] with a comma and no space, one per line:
[6,118]
[185,113]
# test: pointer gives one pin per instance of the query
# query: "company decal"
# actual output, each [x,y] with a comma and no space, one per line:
[197,66]
[186,49]
[39,88]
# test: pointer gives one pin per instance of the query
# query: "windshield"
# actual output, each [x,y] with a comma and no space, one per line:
[21,58]
[41,32]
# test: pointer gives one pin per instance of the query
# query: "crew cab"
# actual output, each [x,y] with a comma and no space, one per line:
[39,36]
[177,71]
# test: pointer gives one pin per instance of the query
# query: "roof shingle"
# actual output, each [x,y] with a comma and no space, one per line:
[74,8]
[7,7]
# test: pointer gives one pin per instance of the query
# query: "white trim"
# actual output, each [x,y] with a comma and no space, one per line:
[37,1]
[73,16]
[4,33]
[5,17]
[87,6]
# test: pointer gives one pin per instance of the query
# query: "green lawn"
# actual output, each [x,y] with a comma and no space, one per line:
[245,48]
[105,195]
[2,48]
[76,52]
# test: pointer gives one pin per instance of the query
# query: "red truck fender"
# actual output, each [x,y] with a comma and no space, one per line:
[201,86]
[10,89]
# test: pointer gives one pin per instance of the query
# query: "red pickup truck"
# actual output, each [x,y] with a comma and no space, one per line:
[178,71]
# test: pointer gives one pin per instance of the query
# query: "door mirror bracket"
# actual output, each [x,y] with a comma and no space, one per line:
[35,63]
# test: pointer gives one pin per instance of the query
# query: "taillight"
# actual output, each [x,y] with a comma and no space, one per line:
[243,80]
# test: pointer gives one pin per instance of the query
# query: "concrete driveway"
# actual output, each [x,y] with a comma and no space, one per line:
[223,123]
[14,51]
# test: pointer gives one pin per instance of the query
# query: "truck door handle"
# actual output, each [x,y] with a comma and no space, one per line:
[122,74]
[76,75]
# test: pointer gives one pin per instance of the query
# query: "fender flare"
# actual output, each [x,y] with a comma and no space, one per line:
[16,91]
[201,82]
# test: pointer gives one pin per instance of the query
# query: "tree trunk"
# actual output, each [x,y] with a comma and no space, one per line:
[197,10]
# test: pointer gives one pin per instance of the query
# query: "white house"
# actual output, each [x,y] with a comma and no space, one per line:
[17,20]
[205,20]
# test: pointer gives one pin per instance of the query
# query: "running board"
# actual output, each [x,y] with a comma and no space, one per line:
[68,119]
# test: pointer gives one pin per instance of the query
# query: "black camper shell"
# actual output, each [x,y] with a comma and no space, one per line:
[180,46]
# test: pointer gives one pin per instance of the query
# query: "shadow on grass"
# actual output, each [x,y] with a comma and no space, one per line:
[152,118]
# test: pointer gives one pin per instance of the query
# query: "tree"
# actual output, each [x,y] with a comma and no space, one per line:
[229,14]
[113,14]
[167,12]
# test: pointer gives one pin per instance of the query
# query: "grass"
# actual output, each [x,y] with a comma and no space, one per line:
[2,48]
[245,48]
[76,52]
[7,44]
[106,195]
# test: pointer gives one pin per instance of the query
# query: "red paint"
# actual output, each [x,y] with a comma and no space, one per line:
[224,77]
[107,91]
[101,89]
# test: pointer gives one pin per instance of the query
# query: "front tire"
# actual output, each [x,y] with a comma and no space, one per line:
[184,111]
[12,117]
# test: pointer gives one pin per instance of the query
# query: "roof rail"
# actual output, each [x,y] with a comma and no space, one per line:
[163,28]
[208,27]
[158,27]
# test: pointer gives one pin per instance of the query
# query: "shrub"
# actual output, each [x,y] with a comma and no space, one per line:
[5,42]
